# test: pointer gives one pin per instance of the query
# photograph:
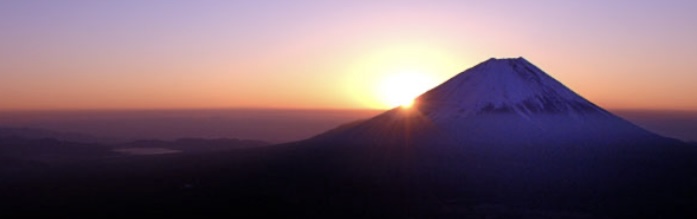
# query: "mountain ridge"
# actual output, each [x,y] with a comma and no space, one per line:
[451,146]
[506,85]
[481,100]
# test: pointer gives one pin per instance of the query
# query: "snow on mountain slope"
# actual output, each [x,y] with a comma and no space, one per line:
[505,85]
[498,102]
[505,132]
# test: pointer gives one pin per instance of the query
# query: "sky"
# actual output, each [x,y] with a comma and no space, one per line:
[306,54]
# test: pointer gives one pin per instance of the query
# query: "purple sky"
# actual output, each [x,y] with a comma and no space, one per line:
[324,54]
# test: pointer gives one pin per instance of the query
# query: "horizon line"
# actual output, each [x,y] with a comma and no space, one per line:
[36,110]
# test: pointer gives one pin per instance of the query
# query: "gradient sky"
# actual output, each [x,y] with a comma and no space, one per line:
[325,54]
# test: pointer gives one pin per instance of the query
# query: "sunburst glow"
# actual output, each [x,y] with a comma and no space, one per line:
[400,89]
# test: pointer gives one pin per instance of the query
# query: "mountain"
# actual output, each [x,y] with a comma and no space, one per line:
[190,145]
[34,133]
[42,147]
[506,133]
[499,97]
[500,140]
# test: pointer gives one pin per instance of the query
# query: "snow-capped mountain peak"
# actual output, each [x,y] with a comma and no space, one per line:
[505,130]
[505,85]
[497,102]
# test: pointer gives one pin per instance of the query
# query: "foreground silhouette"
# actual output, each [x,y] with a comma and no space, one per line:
[505,134]
[502,139]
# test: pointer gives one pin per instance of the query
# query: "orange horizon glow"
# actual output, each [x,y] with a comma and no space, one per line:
[350,55]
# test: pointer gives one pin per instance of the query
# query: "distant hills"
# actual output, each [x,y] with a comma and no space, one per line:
[36,133]
[51,147]
[502,139]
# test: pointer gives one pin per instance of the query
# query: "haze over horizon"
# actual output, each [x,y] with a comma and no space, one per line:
[349,109]
[314,54]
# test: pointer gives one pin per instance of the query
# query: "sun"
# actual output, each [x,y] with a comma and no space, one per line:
[407,103]
[400,89]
